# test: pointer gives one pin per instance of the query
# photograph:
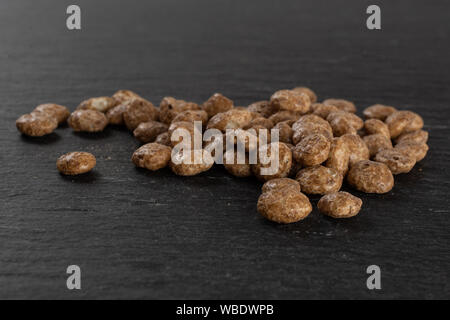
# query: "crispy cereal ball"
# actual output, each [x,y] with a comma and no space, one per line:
[237,169]
[291,100]
[284,206]
[312,150]
[260,121]
[310,124]
[374,126]
[87,120]
[338,158]
[60,113]
[378,111]
[344,122]
[284,131]
[356,147]
[190,129]
[232,119]
[138,111]
[124,95]
[284,115]
[170,107]
[217,103]
[403,122]
[148,131]
[311,94]
[115,114]
[418,150]
[74,163]
[370,177]
[341,104]
[377,142]
[280,183]
[163,139]
[152,156]
[419,136]
[396,161]
[191,116]
[339,205]
[101,104]
[276,169]
[190,163]
[323,110]
[310,119]
[36,124]
[264,108]
[319,180]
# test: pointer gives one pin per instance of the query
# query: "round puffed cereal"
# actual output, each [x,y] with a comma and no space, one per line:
[124,95]
[190,163]
[418,150]
[284,115]
[230,162]
[403,122]
[319,180]
[312,150]
[377,142]
[87,120]
[323,110]
[310,119]
[74,163]
[148,131]
[101,104]
[36,124]
[170,107]
[61,113]
[152,156]
[285,131]
[280,183]
[260,121]
[291,100]
[191,116]
[232,119]
[264,108]
[338,158]
[311,94]
[217,103]
[419,136]
[396,161]
[375,126]
[341,104]
[284,206]
[339,205]
[279,169]
[138,111]
[163,139]
[378,111]
[356,147]
[115,114]
[189,128]
[370,177]
[343,122]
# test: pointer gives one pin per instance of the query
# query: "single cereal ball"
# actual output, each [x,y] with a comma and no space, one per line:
[310,119]
[375,126]
[190,163]
[280,183]
[357,148]
[343,122]
[87,121]
[232,119]
[341,104]
[418,136]
[285,131]
[191,116]
[403,122]
[148,131]
[378,111]
[339,205]
[122,96]
[138,111]
[270,168]
[370,177]
[339,156]
[312,150]
[152,156]
[396,161]
[36,124]
[264,108]
[418,150]
[284,206]
[61,113]
[291,100]
[284,115]
[311,124]
[115,114]
[323,110]
[377,142]
[170,107]
[260,121]
[182,129]
[101,104]
[319,180]
[311,94]
[237,169]
[74,163]
[217,103]
[163,139]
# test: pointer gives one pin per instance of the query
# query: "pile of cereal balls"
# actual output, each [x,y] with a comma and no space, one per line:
[320,144]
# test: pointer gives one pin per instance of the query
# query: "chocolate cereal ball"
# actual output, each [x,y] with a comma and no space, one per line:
[370,177]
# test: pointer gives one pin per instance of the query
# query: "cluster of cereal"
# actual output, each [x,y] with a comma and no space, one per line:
[320,144]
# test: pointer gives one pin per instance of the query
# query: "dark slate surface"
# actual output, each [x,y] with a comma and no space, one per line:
[137,234]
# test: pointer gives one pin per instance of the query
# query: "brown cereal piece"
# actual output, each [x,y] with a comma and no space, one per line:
[152,156]
[163,139]
[87,121]
[374,126]
[340,205]
[115,114]
[403,122]
[259,131]
[312,150]
[191,116]
[278,169]
[319,180]
[310,119]
[230,162]
[61,113]
[284,115]
[280,183]
[217,103]
[290,100]
[418,150]
[188,126]
[357,148]
[264,108]
[343,122]
[396,161]
[339,156]
[122,96]
[170,107]
[285,131]
[192,162]
[260,121]
[138,111]
[370,177]
[323,110]
[341,104]
[36,124]
[376,143]
[74,163]
[301,132]
[418,136]
[378,111]
[101,104]
[311,94]
[284,206]
[232,119]
[148,131]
